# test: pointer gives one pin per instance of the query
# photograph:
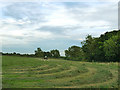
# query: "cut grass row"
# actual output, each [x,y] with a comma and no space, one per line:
[37,73]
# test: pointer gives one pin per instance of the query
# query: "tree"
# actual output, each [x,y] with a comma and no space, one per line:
[55,53]
[74,53]
[98,50]
[39,52]
[48,54]
[99,47]
[88,47]
[14,53]
[112,48]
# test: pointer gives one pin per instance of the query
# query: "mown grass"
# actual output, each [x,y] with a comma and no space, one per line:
[26,72]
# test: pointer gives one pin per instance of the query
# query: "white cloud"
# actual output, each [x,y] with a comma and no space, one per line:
[61,18]
[14,21]
[10,33]
[23,37]
[61,0]
[25,23]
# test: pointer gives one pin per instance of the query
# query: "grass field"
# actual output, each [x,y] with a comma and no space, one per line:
[26,72]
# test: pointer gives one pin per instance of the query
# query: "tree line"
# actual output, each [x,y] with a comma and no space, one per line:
[51,54]
[105,48]
[38,53]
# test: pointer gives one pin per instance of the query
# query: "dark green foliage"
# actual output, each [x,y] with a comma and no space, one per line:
[18,54]
[112,48]
[55,53]
[74,53]
[89,47]
[48,54]
[102,49]
[108,35]
[39,53]
[52,53]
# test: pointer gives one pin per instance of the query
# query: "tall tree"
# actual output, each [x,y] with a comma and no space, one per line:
[74,53]
[88,47]
[55,53]
[112,48]
[39,52]
[48,54]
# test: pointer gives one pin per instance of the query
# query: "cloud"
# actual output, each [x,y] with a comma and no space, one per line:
[54,24]
[92,15]
[11,33]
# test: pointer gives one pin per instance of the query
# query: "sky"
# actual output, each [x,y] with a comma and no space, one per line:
[25,26]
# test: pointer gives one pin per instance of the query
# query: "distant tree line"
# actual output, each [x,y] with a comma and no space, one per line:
[18,54]
[38,53]
[105,48]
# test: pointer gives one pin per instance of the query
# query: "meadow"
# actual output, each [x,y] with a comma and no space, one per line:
[27,72]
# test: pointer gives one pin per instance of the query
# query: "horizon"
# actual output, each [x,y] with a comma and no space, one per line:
[53,25]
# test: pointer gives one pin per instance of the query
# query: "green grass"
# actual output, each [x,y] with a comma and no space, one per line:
[26,72]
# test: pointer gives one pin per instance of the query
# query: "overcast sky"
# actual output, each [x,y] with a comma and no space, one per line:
[53,25]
